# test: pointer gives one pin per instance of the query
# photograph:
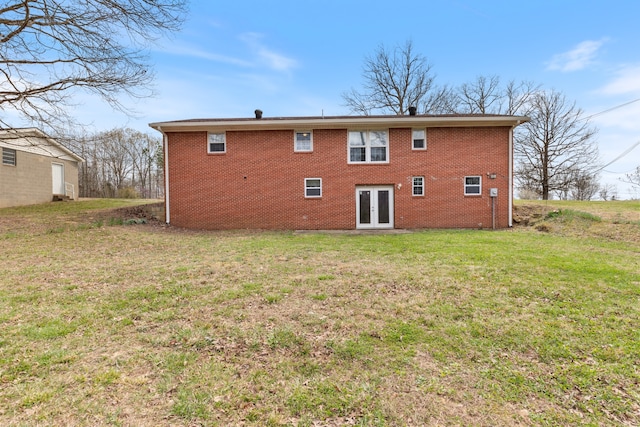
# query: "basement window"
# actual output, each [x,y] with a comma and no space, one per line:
[312,187]
[418,186]
[472,185]
[216,143]
[8,157]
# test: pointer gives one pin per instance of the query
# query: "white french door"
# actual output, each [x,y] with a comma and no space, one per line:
[374,206]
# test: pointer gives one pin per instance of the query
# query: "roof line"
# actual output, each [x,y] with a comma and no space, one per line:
[466,120]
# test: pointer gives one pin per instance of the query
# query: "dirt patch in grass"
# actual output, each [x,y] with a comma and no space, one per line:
[152,213]
[618,221]
[529,214]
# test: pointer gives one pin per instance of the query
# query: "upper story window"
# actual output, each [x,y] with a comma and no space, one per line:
[419,139]
[8,156]
[303,141]
[216,143]
[368,146]
[472,185]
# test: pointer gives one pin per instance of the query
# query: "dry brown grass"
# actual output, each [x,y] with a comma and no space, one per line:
[145,325]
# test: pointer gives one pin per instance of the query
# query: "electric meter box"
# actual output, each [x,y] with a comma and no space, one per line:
[493,192]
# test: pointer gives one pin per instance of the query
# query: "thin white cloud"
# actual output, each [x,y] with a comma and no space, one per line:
[270,58]
[576,59]
[260,54]
[627,81]
[185,50]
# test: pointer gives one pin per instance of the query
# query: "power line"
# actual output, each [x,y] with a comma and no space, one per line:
[611,109]
[624,153]
[628,150]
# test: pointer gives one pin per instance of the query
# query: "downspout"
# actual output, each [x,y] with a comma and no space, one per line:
[511,174]
[165,150]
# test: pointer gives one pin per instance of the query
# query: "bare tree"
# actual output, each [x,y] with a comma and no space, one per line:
[515,99]
[555,146]
[394,81]
[481,96]
[584,186]
[48,48]
[486,95]
[608,192]
[440,100]
[632,178]
[121,162]
[117,160]
[143,150]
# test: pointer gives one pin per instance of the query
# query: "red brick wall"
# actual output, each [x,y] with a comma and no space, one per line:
[259,182]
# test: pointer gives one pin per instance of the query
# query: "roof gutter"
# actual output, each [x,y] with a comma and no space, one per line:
[337,122]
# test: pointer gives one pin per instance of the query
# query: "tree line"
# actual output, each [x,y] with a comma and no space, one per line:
[121,162]
[51,49]
[555,151]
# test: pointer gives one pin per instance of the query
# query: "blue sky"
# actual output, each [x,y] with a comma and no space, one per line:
[296,58]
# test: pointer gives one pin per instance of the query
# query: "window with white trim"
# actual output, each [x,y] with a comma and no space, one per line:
[419,139]
[8,156]
[418,186]
[370,146]
[303,141]
[313,187]
[472,185]
[216,143]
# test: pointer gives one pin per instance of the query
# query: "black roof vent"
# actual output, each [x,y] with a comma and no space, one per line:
[258,114]
[412,111]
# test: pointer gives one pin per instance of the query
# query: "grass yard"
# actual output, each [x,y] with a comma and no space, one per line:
[108,324]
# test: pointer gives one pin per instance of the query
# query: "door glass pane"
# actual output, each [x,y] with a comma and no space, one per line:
[365,207]
[383,206]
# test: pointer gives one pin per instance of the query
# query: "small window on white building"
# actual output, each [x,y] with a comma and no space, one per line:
[419,139]
[8,156]
[303,141]
[418,186]
[216,143]
[472,185]
[313,187]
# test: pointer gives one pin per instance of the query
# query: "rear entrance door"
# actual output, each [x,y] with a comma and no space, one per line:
[374,206]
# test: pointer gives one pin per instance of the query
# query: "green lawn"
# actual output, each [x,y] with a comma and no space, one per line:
[143,325]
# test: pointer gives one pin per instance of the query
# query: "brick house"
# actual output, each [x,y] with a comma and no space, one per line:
[367,172]
[35,168]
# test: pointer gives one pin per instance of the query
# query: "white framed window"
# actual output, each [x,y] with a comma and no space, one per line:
[368,146]
[419,139]
[472,185]
[216,143]
[8,156]
[418,186]
[312,187]
[303,141]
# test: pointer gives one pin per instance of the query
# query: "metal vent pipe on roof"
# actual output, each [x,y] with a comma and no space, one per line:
[258,114]
[412,111]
